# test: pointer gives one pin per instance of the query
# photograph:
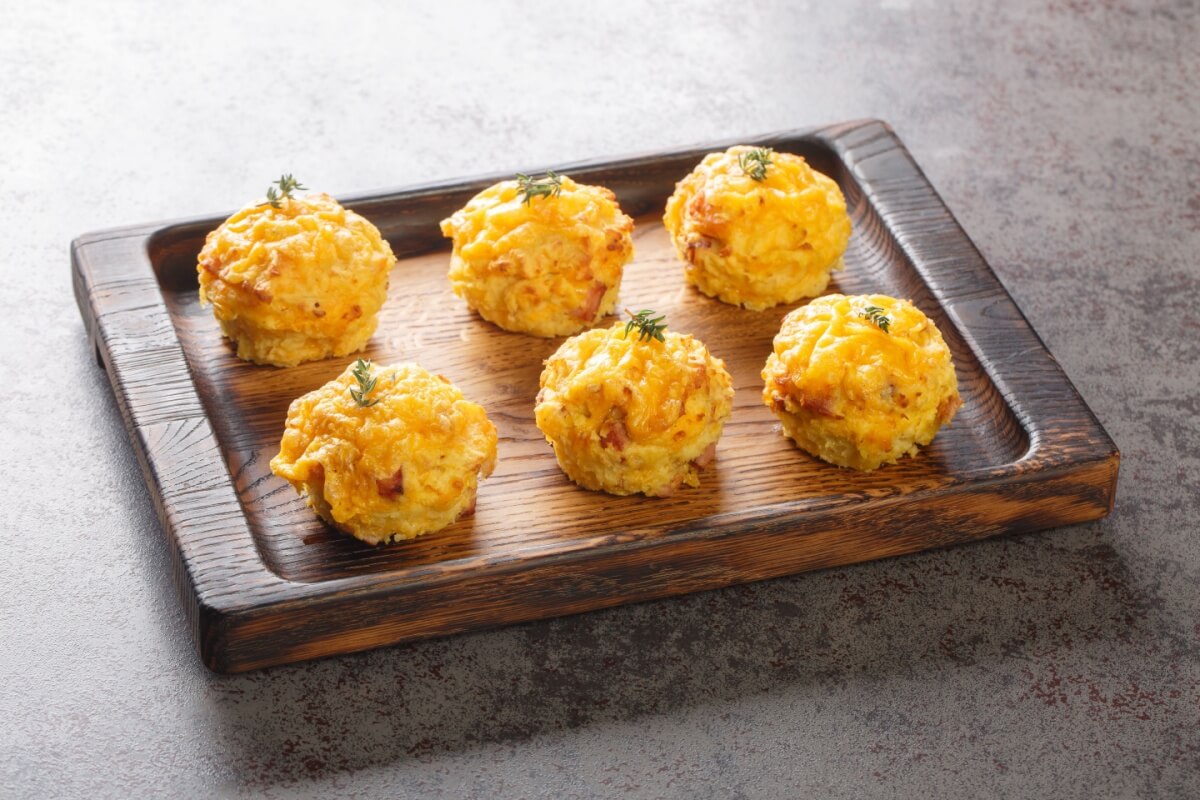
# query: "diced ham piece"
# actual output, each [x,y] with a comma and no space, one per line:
[591,303]
[705,458]
[947,409]
[391,487]
[819,404]
[698,243]
[469,511]
[614,434]
[671,488]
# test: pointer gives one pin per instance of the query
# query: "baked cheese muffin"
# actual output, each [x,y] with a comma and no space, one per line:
[634,408]
[295,278]
[542,257]
[860,381]
[387,453]
[756,228]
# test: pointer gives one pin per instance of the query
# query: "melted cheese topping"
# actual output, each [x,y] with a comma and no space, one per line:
[549,267]
[296,283]
[627,416]
[852,394]
[409,464]
[758,243]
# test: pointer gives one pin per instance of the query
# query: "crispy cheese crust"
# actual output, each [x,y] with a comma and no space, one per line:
[627,416]
[548,267]
[758,243]
[852,394]
[408,465]
[297,283]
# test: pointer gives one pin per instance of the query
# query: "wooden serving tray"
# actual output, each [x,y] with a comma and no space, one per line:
[265,582]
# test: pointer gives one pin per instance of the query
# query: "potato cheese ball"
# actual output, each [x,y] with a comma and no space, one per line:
[633,408]
[757,228]
[298,280]
[387,453]
[860,381]
[542,257]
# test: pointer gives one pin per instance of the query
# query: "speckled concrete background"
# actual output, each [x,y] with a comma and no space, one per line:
[1065,664]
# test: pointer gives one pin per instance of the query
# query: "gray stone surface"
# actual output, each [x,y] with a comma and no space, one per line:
[1063,664]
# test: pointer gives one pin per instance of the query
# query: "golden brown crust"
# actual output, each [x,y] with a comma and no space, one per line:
[407,465]
[548,267]
[853,394]
[758,243]
[296,283]
[627,416]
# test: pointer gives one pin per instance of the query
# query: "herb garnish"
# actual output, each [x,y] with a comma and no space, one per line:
[648,326]
[281,190]
[362,374]
[550,186]
[754,162]
[878,316]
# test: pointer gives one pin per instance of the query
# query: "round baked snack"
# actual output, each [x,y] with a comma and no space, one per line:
[295,278]
[387,453]
[756,228]
[540,256]
[634,408]
[860,381]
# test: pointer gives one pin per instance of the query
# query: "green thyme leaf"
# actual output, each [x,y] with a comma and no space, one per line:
[648,326]
[366,384]
[549,186]
[878,316]
[281,190]
[754,162]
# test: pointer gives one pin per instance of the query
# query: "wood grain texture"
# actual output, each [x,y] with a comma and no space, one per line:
[267,583]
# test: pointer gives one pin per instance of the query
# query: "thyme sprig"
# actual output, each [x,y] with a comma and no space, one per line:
[754,162]
[549,186]
[648,326]
[366,384]
[281,190]
[878,316]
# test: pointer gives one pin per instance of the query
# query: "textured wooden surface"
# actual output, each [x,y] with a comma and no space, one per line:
[268,583]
